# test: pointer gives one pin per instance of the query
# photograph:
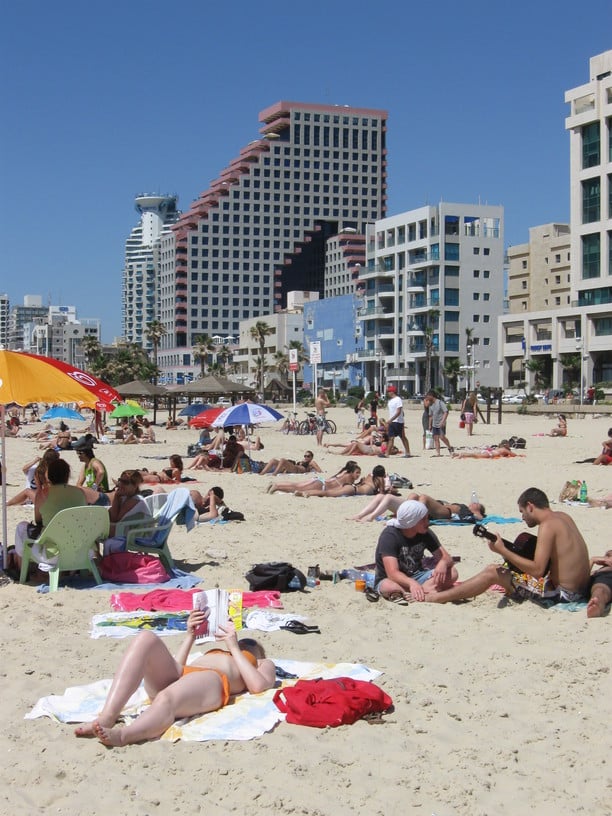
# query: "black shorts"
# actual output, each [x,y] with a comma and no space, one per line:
[601,578]
[395,429]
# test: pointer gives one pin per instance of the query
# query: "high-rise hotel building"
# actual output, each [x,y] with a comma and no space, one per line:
[141,271]
[261,228]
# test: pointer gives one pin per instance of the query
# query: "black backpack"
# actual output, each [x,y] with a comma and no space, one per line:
[518,442]
[276,575]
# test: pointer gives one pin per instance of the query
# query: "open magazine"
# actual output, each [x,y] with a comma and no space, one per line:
[223,604]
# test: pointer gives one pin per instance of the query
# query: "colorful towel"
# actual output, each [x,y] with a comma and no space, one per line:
[247,716]
[177,600]
[485,520]
[126,624]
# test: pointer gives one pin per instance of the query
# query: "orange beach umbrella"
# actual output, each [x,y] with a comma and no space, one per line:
[26,378]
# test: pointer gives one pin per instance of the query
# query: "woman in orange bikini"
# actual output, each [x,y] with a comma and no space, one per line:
[177,690]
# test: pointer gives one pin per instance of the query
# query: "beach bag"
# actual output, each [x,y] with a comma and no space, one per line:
[518,442]
[231,515]
[429,443]
[275,575]
[462,423]
[133,568]
[338,701]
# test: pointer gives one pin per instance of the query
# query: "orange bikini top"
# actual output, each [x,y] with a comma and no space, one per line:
[250,657]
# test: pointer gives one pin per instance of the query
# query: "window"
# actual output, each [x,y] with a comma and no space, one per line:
[451,297]
[523,264]
[476,250]
[590,145]
[590,256]
[477,273]
[476,296]
[523,284]
[590,200]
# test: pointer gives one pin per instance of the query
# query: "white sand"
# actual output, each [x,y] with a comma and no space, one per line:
[498,709]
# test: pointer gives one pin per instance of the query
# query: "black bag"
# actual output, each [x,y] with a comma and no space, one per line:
[193,450]
[518,442]
[34,529]
[275,575]
[231,515]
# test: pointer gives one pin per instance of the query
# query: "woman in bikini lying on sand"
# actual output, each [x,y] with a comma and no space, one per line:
[348,475]
[171,475]
[175,689]
[371,485]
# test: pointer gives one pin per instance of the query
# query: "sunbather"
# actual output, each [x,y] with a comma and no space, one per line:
[359,448]
[207,505]
[177,690]
[307,465]
[561,427]
[605,457]
[499,452]
[168,475]
[370,485]
[348,475]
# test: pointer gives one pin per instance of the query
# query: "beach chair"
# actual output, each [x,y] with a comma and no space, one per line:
[154,503]
[73,535]
[154,540]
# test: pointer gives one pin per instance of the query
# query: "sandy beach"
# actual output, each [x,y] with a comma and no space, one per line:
[500,708]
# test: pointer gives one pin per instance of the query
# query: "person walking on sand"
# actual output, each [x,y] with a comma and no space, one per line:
[396,425]
[560,552]
[468,411]
[177,690]
[438,414]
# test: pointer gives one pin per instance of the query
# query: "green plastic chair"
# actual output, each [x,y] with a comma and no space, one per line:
[72,534]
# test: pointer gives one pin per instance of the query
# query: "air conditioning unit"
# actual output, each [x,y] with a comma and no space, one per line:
[357,331]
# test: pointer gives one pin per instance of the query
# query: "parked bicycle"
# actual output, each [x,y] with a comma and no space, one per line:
[291,424]
[309,425]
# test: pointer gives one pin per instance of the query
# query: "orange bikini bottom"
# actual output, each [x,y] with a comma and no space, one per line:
[224,680]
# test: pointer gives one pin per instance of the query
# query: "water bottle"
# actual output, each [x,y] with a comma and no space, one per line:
[583,493]
[352,575]
[474,499]
[294,583]
[311,579]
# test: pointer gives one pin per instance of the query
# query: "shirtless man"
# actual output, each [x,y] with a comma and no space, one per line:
[321,404]
[307,465]
[600,585]
[560,551]
[175,689]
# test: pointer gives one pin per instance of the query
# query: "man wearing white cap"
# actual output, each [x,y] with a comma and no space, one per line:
[400,574]
[396,421]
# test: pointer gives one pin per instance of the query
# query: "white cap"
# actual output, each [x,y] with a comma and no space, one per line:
[408,515]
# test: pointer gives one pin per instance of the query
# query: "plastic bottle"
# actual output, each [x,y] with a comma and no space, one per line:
[583,493]
[294,583]
[352,575]
[474,499]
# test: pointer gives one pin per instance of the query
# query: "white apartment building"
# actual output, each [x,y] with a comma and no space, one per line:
[434,276]
[584,326]
[259,231]
[141,270]
[344,257]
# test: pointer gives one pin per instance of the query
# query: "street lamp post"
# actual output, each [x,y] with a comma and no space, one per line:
[580,347]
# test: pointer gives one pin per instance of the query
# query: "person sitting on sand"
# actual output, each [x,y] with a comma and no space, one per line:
[62,441]
[560,553]
[347,475]
[376,482]
[127,503]
[177,690]
[561,427]
[169,475]
[400,573]
[207,506]
[36,477]
[498,452]
[307,465]
[605,457]
[600,585]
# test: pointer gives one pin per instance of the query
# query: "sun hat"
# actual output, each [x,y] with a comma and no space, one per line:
[408,515]
[391,388]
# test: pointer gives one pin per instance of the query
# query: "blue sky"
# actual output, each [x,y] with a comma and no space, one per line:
[103,101]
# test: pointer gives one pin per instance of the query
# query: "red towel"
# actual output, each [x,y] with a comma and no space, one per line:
[179,600]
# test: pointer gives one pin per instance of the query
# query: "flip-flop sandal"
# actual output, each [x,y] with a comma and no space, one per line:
[299,628]
[398,598]
[372,595]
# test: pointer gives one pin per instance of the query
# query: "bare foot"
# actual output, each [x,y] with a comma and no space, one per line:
[595,607]
[85,730]
[113,737]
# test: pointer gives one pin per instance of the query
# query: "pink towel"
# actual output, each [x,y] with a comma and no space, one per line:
[179,600]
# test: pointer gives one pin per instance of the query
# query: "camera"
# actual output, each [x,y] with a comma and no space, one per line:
[481,530]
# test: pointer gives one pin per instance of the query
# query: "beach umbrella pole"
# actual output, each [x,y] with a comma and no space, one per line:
[4,515]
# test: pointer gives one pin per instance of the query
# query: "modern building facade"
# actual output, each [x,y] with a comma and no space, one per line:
[260,230]
[345,255]
[433,288]
[20,316]
[4,321]
[584,328]
[139,304]
[539,273]
[60,335]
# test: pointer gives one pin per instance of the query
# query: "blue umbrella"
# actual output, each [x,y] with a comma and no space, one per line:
[61,412]
[194,409]
[246,413]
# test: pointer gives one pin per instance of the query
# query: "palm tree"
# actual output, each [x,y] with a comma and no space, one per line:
[452,372]
[571,364]
[259,332]
[202,350]
[154,333]
[536,366]
[92,349]
[429,330]
[281,364]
